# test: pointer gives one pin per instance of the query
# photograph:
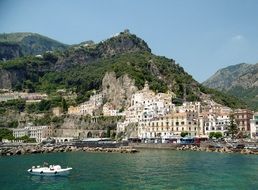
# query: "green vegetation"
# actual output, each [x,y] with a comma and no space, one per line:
[140,66]
[13,124]
[46,120]
[183,134]
[17,105]
[223,98]
[64,105]
[41,107]
[249,95]
[26,139]
[20,44]
[232,127]
[6,134]
[215,135]
[82,69]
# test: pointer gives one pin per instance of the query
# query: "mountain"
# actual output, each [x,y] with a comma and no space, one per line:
[83,69]
[83,54]
[20,44]
[240,80]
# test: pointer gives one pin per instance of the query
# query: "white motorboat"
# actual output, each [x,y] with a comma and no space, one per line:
[52,170]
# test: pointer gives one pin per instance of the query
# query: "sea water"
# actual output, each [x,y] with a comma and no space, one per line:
[148,169]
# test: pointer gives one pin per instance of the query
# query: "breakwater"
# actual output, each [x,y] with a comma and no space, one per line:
[203,147]
[220,150]
[38,149]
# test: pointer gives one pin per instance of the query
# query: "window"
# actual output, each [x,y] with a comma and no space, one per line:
[177,123]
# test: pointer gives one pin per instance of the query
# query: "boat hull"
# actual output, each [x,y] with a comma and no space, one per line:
[45,172]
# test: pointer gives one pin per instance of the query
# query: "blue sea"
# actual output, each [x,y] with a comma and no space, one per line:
[148,169]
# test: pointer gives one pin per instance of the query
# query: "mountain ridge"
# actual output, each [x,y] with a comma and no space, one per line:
[240,80]
[81,68]
[19,44]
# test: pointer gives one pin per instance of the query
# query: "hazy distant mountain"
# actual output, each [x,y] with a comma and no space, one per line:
[20,44]
[239,80]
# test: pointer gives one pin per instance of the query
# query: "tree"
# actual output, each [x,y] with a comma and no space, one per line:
[64,105]
[13,124]
[232,127]
[218,135]
[211,135]
[183,134]
[44,105]
[6,134]
[215,134]
[51,57]
[108,132]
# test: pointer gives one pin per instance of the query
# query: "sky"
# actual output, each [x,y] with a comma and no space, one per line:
[201,35]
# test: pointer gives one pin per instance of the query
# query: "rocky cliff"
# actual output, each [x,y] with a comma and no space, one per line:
[118,91]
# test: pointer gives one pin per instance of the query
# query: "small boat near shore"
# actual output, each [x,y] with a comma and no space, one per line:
[52,170]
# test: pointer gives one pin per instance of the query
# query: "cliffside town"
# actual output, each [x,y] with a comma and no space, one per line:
[148,117]
[115,88]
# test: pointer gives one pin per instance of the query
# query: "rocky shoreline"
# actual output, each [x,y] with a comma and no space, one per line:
[220,150]
[38,149]
[202,147]
[21,150]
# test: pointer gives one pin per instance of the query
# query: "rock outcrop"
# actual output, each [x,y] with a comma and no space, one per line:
[118,91]
[5,79]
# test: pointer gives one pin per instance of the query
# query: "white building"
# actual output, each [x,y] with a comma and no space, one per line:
[254,126]
[216,123]
[37,132]
[20,132]
[146,106]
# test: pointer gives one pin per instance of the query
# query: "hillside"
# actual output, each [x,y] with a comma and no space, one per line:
[240,80]
[81,69]
[20,44]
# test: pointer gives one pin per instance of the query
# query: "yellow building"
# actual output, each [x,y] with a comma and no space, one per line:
[74,110]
